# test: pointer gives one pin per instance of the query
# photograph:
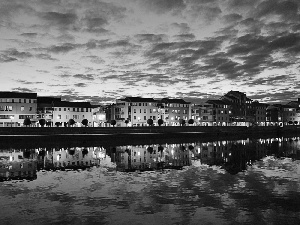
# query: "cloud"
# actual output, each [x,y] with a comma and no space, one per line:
[150,38]
[61,20]
[29,35]
[63,48]
[158,6]
[29,82]
[5,58]
[84,76]
[285,9]
[80,85]
[13,54]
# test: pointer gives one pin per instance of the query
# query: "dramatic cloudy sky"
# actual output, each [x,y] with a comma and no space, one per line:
[100,50]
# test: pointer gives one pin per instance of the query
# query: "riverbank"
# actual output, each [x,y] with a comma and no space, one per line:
[93,136]
[214,130]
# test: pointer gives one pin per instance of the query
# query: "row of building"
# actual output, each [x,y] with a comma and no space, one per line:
[232,109]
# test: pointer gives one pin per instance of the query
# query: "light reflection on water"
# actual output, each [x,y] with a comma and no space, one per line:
[222,182]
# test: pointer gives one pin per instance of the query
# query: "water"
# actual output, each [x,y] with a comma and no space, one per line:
[252,181]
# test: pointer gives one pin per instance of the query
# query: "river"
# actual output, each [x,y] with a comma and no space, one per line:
[249,181]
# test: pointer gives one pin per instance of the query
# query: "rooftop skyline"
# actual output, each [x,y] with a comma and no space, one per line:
[100,51]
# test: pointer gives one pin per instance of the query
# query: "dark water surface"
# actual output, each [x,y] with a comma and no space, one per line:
[252,181]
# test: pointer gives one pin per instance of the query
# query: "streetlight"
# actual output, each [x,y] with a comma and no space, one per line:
[11,118]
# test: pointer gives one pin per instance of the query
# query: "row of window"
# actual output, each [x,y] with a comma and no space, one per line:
[73,109]
[145,110]
[23,100]
[11,117]
[75,117]
[10,108]
[145,118]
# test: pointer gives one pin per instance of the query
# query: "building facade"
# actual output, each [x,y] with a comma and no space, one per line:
[63,111]
[15,107]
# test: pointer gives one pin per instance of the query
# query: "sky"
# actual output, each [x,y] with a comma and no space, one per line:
[102,50]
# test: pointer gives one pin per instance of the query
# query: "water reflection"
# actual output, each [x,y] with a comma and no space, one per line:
[234,156]
[188,183]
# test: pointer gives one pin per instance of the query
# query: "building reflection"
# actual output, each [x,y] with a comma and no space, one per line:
[17,164]
[151,157]
[233,156]
[73,158]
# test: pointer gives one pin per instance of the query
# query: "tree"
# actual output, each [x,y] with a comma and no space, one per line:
[182,122]
[191,147]
[160,122]
[295,122]
[126,121]
[290,122]
[160,148]
[48,123]
[57,124]
[27,122]
[85,122]
[42,122]
[150,150]
[191,121]
[150,122]
[71,122]
[113,122]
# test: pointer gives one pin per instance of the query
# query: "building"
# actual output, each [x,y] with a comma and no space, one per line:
[221,112]
[45,109]
[289,115]
[99,116]
[15,107]
[260,111]
[206,117]
[135,111]
[241,109]
[172,110]
[63,111]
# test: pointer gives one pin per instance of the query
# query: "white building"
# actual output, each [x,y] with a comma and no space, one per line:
[64,111]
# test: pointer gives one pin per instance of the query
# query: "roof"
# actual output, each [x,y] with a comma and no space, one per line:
[72,104]
[8,94]
[174,100]
[217,102]
[139,99]
[48,100]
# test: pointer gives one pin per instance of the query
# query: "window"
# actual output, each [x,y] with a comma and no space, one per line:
[30,108]
[22,108]
[65,109]
[150,110]
[140,110]
[134,117]
[145,118]
[59,117]
[154,118]
[59,109]
[134,110]
[73,109]
[145,110]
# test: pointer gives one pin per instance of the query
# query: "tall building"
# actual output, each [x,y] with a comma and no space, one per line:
[15,107]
